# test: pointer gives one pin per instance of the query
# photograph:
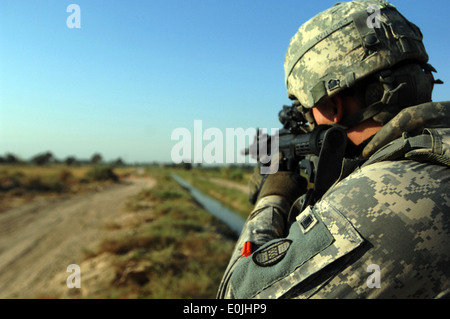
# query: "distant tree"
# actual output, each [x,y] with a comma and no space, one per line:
[70,160]
[119,162]
[42,159]
[96,158]
[11,159]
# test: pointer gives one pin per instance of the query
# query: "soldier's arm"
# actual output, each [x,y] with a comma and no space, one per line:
[266,222]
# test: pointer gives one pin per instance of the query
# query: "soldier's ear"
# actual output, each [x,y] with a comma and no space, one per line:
[338,108]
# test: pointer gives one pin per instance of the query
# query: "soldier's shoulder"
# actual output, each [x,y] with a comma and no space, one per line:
[392,188]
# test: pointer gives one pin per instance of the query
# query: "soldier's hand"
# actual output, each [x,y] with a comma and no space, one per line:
[260,174]
[255,183]
[287,184]
[283,183]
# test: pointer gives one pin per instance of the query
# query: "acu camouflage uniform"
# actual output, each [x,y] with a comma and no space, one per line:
[389,213]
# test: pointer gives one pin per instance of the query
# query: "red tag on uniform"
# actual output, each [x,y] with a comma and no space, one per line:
[247,250]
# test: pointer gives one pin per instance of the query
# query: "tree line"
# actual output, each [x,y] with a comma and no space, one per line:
[48,158]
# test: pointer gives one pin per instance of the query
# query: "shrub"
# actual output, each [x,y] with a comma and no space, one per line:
[101,173]
[64,176]
[237,175]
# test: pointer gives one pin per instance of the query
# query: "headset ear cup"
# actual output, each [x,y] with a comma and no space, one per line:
[373,93]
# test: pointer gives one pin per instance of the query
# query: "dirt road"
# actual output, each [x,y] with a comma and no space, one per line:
[39,240]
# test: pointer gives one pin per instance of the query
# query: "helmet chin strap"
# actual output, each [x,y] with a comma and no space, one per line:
[360,116]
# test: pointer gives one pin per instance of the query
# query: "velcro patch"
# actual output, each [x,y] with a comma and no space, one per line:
[272,254]
[306,220]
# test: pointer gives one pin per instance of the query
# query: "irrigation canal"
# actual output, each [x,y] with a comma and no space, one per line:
[229,217]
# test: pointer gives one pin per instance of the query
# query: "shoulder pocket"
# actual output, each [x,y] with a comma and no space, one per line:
[316,239]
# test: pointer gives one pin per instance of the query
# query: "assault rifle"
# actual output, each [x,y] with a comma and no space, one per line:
[318,152]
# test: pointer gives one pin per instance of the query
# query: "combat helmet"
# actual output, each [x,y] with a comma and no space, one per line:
[349,42]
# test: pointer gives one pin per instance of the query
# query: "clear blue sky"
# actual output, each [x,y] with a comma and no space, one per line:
[136,70]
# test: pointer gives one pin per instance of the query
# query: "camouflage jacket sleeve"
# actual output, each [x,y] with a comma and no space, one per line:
[266,222]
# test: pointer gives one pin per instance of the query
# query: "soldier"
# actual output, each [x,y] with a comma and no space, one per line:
[383,229]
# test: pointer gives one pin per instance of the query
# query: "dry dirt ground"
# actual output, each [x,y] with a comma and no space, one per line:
[39,240]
